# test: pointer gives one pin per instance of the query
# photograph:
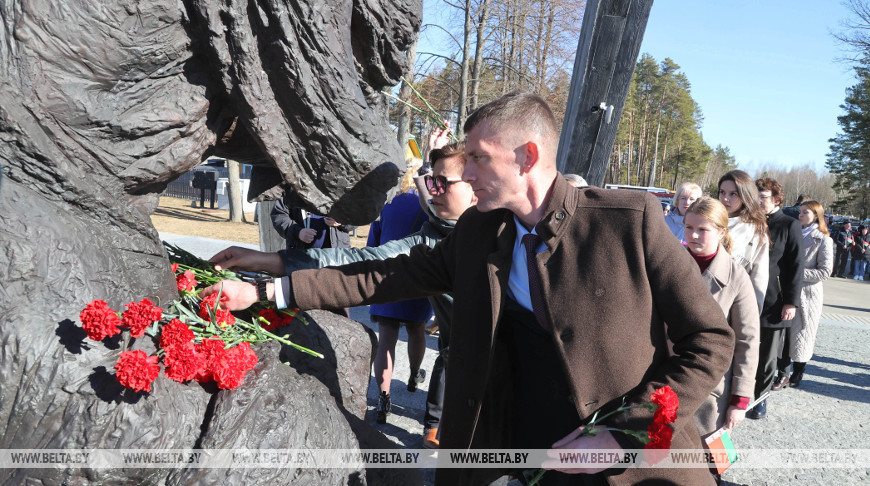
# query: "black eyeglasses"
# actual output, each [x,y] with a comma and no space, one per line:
[438,184]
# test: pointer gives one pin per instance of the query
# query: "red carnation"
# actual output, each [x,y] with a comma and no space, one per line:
[182,362]
[136,370]
[174,268]
[666,398]
[222,317]
[209,349]
[665,415]
[176,332]
[186,281]
[247,358]
[227,371]
[274,319]
[229,367]
[140,315]
[660,436]
[99,321]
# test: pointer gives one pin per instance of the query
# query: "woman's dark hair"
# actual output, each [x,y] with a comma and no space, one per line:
[751,211]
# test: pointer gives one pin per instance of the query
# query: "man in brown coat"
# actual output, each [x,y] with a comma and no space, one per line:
[535,353]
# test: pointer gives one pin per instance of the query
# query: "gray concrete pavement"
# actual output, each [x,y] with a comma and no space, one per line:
[831,408]
[829,411]
[204,248]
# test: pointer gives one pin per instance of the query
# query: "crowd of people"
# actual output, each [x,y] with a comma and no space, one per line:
[525,280]
[854,244]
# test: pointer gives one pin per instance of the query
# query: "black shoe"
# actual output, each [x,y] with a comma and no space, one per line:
[795,380]
[758,411]
[383,407]
[781,381]
[415,380]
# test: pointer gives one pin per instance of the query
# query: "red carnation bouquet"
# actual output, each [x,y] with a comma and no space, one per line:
[657,438]
[198,339]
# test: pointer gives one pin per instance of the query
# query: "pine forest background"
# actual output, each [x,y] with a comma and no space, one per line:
[498,46]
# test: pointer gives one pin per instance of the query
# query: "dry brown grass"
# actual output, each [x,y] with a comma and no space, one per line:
[175,215]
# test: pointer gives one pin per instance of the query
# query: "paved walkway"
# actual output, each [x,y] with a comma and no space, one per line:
[831,410]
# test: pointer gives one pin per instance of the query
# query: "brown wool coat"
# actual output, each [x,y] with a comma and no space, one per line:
[611,273]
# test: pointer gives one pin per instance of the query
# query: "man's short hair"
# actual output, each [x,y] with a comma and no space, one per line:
[518,111]
[768,184]
[452,149]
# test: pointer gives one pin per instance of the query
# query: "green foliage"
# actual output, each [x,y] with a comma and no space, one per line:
[659,140]
[849,158]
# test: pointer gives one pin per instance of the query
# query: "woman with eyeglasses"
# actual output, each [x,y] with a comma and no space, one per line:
[709,243]
[747,225]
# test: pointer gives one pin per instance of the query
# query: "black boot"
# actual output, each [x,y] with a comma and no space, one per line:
[383,407]
[758,411]
[797,376]
[416,379]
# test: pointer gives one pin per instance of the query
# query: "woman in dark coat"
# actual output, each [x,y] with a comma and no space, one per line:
[304,230]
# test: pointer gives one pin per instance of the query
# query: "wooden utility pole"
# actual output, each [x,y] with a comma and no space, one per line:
[606,54]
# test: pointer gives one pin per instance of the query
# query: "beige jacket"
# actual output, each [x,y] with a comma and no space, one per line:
[733,291]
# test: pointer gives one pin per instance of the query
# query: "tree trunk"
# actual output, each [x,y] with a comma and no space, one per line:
[234,192]
[652,171]
[677,169]
[463,73]
[477,67]
[404,131]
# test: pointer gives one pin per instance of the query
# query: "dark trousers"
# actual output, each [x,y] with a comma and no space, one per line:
[768,349]
[435,397]
[840,259]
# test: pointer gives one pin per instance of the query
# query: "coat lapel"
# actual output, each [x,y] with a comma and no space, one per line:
[498,265]
[718,274]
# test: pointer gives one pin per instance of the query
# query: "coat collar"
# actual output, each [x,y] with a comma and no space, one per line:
[560,208]
[720,269]
[817,235]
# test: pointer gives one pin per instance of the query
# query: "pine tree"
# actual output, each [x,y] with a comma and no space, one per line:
[849,158]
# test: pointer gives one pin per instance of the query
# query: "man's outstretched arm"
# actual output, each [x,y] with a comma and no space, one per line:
[422,272]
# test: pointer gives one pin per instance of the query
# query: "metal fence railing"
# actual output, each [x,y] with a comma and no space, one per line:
[182,187]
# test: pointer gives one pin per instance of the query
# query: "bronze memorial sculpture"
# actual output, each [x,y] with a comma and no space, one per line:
[101,105]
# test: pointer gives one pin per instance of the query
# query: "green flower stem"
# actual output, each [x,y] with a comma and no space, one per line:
[595,421]
[438,121]
[432,114]
[432,110]
[537,477]
[593,428]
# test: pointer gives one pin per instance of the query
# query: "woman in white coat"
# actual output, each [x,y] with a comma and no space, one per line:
[747,225]
[818,263]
